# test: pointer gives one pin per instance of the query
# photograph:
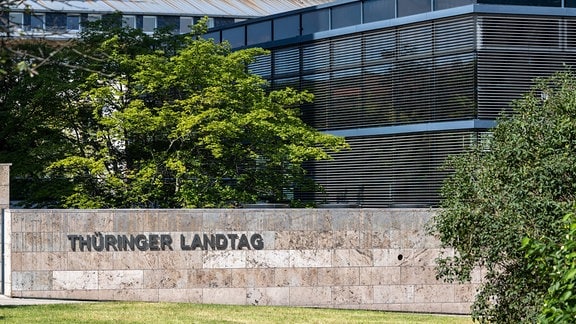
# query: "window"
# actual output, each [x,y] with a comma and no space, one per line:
[412,7]
[315,21]
[375,10]
[346,15]
[37,22]
[259,32]
[286,27]
[235,36]
[93,18]
[445,4]
[73,22]
[213,35]
[16,21]
[543,3]
[55,22]
[129,22]
[570,3]
[210,23]
[185,24]
[148,24]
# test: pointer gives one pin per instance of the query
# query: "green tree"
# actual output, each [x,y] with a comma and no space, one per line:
[554,258]
[194,129]
[520,182]
[38,116]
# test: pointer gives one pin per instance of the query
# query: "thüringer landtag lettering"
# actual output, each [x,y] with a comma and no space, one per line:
[160,242]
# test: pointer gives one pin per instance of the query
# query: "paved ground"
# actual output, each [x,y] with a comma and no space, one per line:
[7,301]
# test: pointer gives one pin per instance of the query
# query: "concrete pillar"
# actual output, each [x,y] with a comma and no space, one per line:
[5,185]
[5,228]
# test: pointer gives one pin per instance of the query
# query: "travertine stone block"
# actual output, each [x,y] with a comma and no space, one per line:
[165,279]
[5,174]
[347,240]
[310,258]
[352,258]
[437,293]
[90,261]
[306,296]
[339,276]
[252,278]
[394,294]
[352,295]
[232,296]
[296,277]
[75,280]
[44,261]
[31,280]
[145,260]
[267,259]
[180,259]
[121,279]
[279,296]
[388,257]
[210,278]
[417,275]
[224,259]
[180,295]
[378,276]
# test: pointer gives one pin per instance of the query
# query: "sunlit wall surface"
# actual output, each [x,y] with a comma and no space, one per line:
[407,83]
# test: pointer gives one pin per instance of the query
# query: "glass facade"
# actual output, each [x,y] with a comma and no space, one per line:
[410,94]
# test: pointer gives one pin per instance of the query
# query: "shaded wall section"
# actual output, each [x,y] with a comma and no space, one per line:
[377,259]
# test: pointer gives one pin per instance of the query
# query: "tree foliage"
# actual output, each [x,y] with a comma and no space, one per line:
[520,182]
[163,121]
[554,259]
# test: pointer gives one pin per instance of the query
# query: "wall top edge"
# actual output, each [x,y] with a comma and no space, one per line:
[214,210]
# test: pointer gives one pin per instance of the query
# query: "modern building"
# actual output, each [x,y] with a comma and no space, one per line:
[63,19]
[407,82]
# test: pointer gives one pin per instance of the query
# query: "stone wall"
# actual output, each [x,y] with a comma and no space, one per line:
[377,259]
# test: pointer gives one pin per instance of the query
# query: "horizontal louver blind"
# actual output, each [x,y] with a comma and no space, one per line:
[398,75]
[389,171]
[515,51]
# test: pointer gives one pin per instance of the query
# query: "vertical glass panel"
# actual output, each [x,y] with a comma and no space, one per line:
[259,32]
[316,57]
[185,24]
[415,40]
[346,100]
[262,66]
[235,36]
[93,18]
[148,24]
[315,21]
[37,22]
[129,21]
[412,7]
[445,4]
[541,3]
[346,52]
[378,97]
[450,35]
[287,61]
[293,83]
[286,27]
[379,47]
[73,22]
[375,10]
[346,15]
[570,3]
[213,35]
[315,114]
[55,22]
[16,20]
